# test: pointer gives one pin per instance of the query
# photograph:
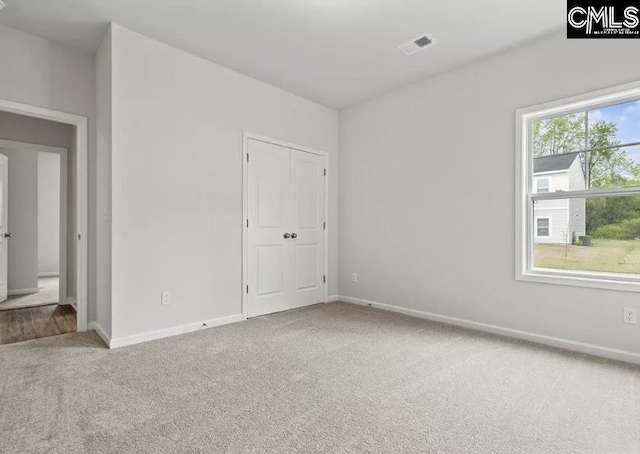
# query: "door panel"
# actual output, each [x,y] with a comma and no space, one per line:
[306,267]
[272,188]
[308,193]
[270,270]
[269,215]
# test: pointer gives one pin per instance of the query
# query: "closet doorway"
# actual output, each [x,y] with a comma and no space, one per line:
[285,235]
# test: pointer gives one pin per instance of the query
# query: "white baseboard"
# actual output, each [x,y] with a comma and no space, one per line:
[49,274]
[333,298]
[71,301]
[173,331]
[23,291]
[604,352]
[94,326]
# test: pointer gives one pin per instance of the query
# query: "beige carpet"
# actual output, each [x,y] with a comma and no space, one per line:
[332,378]
[48,294]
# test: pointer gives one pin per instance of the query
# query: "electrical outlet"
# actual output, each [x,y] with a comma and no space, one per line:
[165,298]
[630,315]
[354,277]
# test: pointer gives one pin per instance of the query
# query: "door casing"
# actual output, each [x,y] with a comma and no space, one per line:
[81,189]
[246,136]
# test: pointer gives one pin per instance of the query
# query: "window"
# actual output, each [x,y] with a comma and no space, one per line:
[542,185]
[585,230]
[542,227]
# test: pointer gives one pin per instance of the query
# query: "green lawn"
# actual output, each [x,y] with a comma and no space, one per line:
[610,256]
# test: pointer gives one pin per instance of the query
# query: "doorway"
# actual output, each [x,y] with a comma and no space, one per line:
[285,234]
[33,239]
[73,208]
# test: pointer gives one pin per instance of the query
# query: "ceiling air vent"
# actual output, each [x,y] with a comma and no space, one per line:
[415,45]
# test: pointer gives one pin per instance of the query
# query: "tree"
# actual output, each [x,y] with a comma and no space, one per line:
[601,211]
[609,166]
[558,135]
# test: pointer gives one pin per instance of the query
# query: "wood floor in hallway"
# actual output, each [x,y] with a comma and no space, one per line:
[32,323]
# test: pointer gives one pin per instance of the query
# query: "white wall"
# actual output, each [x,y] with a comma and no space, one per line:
[23,220]
[427,205]
[103,183]
[48,213]
[177,179]
[46,74]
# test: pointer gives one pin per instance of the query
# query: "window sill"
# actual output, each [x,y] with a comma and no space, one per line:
[581,279]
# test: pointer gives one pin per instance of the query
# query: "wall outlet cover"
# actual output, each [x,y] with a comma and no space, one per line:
[630,316]
[165,298]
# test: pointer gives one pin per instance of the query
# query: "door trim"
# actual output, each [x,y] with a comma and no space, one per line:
[81,189]
[246,136]
[63,209]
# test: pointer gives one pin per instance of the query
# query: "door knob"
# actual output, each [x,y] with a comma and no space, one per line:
[294,235]
[286,236]
[7,235]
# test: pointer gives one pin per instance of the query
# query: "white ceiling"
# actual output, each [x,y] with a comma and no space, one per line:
[334,52]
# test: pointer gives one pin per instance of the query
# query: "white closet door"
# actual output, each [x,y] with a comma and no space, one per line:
[269,218]
[307,192]
[286,228]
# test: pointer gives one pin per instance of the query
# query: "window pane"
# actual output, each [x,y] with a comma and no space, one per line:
[542,185]
[542,228]
[613,125]
[600,234]
[559,135]
[615,167]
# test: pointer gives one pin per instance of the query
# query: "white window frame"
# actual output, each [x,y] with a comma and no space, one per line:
[525,218]
[535,226]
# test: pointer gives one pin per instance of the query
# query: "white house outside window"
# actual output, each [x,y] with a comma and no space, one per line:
[579,190]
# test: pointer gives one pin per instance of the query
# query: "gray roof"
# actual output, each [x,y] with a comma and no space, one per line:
[553,162]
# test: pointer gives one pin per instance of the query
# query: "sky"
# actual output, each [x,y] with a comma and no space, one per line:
[626,117]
